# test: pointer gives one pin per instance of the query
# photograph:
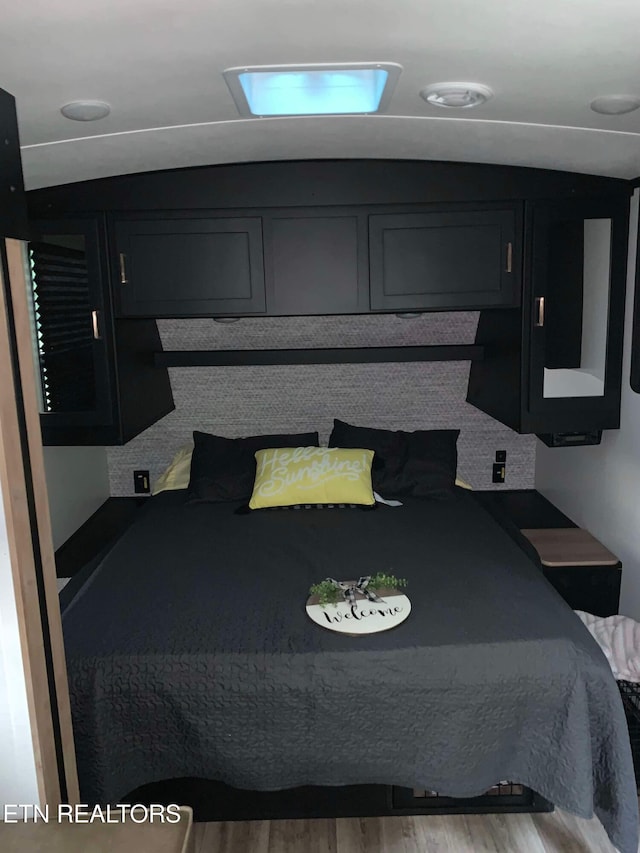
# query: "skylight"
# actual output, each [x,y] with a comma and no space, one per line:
[312,89]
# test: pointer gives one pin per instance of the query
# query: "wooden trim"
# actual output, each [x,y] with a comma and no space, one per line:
[318,355]
[569,546]
[24,491]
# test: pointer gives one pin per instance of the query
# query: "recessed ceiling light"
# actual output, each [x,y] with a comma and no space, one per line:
[459,96]
[615,105]
[302,90]
[85,110]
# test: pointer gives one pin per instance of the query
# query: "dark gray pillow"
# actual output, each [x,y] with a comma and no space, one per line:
[389,448]
[421,464]
[431,463]
[224,469]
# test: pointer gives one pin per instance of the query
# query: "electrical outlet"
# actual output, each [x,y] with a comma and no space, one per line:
[498,473]
[501,456]
[141,485]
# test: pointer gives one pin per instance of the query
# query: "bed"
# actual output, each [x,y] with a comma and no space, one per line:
[190,655]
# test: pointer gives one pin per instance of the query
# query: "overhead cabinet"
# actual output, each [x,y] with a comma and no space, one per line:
[576,303]
[316,261]
[540,254]
[444,260]
[556,366]
[91,366]
[186,267]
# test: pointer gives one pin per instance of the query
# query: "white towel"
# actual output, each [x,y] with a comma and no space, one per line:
[619,639]
[384,501]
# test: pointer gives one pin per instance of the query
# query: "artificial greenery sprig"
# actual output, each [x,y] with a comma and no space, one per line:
[382,581]
[327,593]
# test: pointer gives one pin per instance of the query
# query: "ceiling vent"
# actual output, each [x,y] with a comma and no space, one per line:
[458,96]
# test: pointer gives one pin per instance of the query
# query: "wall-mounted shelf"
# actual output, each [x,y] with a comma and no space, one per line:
[339,355]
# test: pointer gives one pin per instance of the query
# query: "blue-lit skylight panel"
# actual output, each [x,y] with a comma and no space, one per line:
[314,92]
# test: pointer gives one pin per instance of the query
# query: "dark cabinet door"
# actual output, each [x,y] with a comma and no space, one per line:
[441,260]
[72,332]
[574,314]
[189,267]
[593,589]
[314,263]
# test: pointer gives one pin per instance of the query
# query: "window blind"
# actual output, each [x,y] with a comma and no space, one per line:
[64,332]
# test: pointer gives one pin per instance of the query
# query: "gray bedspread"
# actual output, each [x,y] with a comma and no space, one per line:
[190,654]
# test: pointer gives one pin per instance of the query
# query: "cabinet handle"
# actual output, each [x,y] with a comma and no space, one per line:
[540,311]
[509,256]
[95,323]
[123,268]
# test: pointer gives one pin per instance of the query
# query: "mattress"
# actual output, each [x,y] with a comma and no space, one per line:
[190,654]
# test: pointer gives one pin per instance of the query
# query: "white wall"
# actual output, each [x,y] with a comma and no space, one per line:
[599,487]
[18,782]
[595,307]
[77,483]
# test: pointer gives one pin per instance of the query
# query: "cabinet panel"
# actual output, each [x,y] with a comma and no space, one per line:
[13,201]
[462,259]
[594,589]
[190,267]
[313,265]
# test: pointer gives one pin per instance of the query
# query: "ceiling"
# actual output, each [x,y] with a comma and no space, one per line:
[159,64]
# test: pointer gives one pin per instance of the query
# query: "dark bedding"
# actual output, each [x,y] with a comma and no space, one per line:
[190,654]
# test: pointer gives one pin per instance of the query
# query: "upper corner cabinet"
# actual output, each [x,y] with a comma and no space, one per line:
[189,267]
[90,367]
[576,313]
[443,260]
[554,368]
[71,328]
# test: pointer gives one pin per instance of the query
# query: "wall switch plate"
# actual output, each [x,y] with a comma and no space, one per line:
[501,456]
[141,483]
[498,473]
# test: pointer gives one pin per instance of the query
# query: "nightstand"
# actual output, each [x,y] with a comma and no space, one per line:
[102,529]
[585,573]
[581,569]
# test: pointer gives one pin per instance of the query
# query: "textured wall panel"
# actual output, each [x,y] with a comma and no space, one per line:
[236,401]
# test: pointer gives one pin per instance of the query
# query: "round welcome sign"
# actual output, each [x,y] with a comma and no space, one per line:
[363,616]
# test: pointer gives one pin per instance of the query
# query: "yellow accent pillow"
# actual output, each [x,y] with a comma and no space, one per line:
[286,476]
[177,474]
[462,484]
